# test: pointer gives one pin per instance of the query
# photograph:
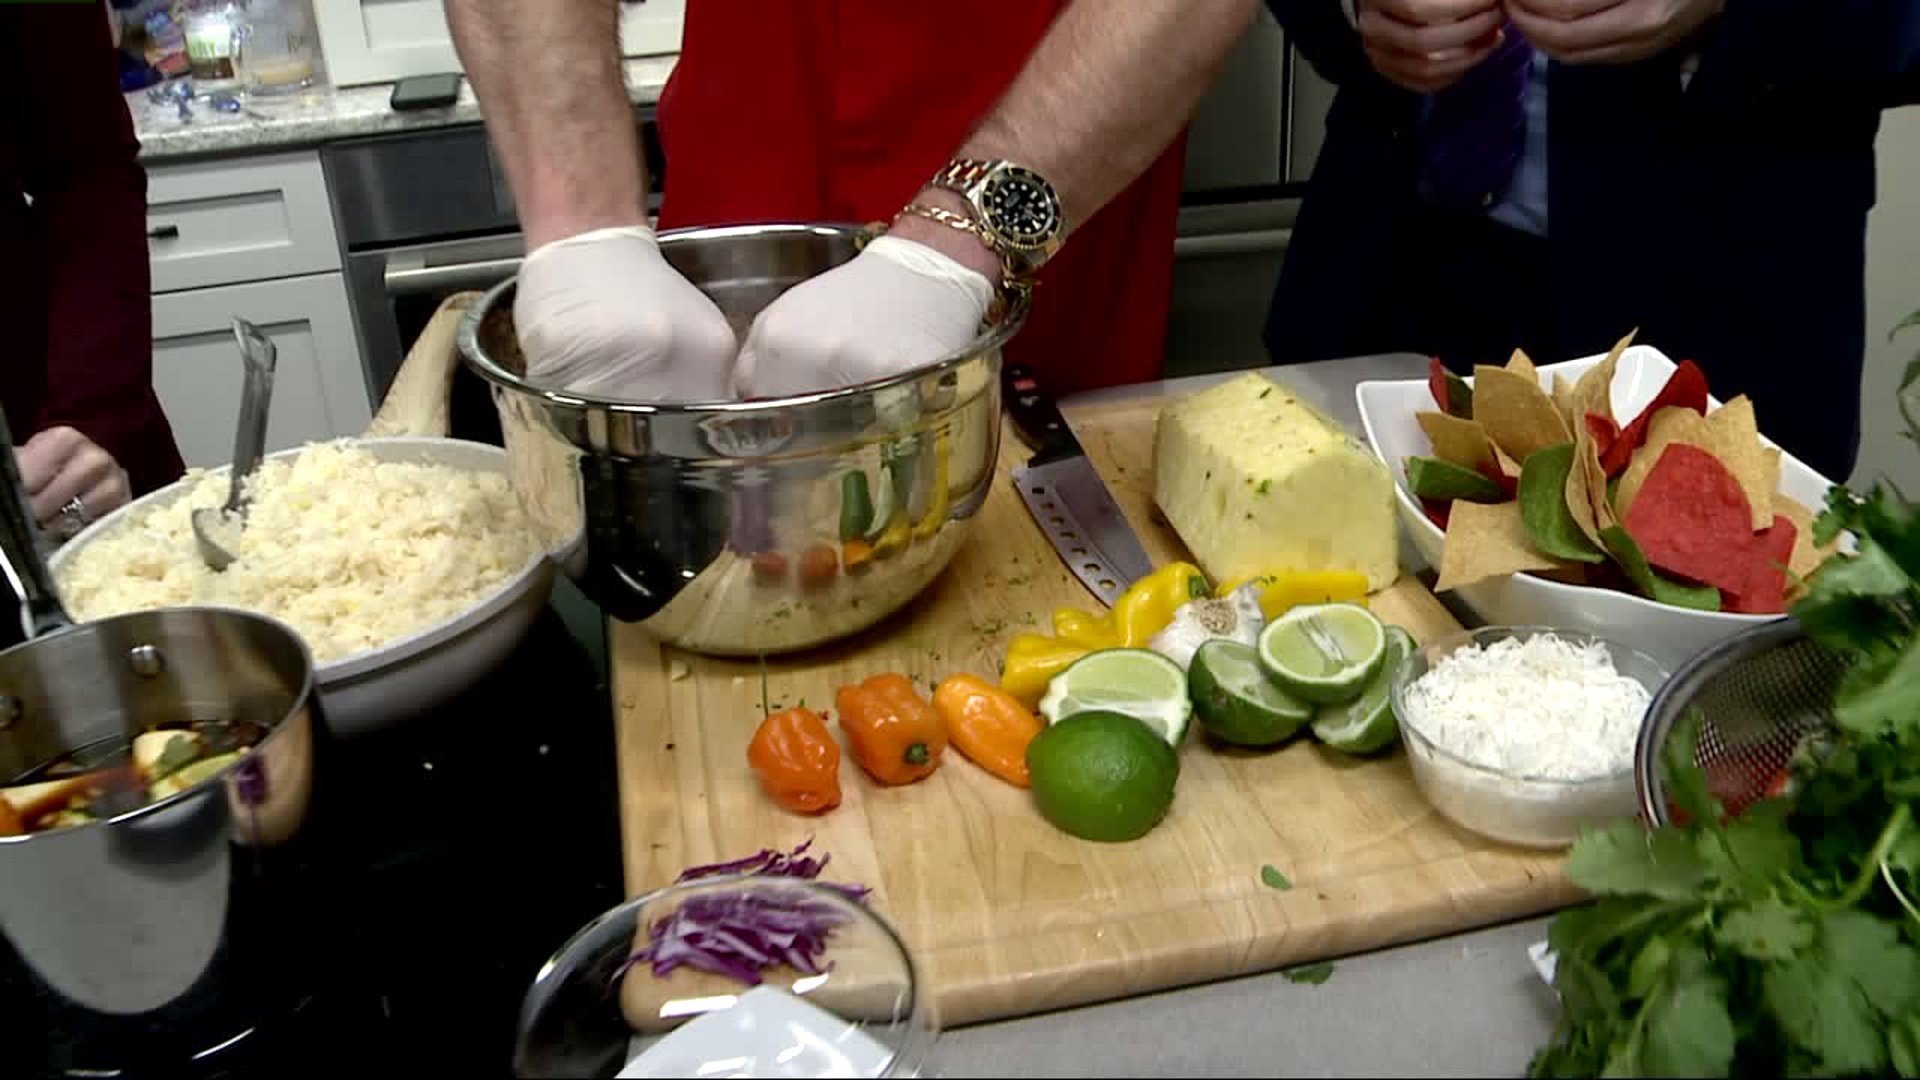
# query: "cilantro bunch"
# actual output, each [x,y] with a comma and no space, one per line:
[1784,942]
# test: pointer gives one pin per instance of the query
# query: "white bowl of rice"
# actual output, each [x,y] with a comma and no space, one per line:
[405,563]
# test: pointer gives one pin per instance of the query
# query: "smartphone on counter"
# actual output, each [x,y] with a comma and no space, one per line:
[426,92]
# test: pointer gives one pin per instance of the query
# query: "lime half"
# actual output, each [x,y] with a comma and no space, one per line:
[1235,700]
[1133,682]
[1323,653]
[1367,724]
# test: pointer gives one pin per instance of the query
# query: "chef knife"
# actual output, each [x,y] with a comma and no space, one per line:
[1067,497]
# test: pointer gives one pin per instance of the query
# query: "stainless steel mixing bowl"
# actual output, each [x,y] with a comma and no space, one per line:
[743,528]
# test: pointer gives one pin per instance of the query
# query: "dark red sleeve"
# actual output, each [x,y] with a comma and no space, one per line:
[78,161]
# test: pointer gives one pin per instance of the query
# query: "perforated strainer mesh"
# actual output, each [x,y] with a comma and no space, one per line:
[1759,694]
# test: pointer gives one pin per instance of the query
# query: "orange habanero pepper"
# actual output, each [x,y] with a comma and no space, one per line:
[897,737]
[988,725]
[797,761]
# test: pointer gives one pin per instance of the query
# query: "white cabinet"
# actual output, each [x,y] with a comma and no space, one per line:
[238,219]
[375,41]
[318,391]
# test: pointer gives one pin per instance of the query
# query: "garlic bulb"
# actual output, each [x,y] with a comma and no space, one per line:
[1236,616]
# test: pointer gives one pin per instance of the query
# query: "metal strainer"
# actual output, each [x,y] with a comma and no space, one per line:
[1759,693]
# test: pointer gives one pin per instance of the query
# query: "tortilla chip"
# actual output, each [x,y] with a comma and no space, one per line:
[1521,364]
[1487,540]
[1563,400]
[1594,392]
[1515,413]
[1670,425]
[1734,437]
[1455,440]
[1580,501]
[1806,557]
[1692,520]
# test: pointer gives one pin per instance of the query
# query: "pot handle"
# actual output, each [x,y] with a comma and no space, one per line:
[40,609]
[417,402]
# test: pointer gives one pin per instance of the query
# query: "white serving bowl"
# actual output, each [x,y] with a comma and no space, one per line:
[417,672]
[1669,634]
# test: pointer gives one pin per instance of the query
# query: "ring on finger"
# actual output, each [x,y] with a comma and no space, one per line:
[74,517]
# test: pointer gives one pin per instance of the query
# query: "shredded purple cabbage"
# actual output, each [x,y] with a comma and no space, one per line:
[740,933]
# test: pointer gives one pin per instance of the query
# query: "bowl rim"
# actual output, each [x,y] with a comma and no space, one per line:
[354,664]
[1018,306]
[1402,682]
[1416,519]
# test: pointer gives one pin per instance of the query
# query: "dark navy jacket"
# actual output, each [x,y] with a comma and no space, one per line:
[1727,220]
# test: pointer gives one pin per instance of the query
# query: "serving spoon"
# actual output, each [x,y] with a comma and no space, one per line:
[217,529]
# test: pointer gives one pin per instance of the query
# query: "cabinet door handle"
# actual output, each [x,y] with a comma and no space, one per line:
[164,232]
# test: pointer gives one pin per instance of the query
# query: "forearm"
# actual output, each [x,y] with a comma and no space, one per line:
[550,86]
[1110,85]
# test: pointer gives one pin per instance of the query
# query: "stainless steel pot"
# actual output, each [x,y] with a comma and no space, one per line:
[159,940]
[737,528]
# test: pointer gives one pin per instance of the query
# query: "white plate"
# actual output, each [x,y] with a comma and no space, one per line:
[766,1032]
[1669,634]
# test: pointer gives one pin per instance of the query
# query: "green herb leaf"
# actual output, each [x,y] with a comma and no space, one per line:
[1625,858]
[1274,879]
[1766,930]
[1823,1012]
[1870,951]
[1688,1030]
[1310,974]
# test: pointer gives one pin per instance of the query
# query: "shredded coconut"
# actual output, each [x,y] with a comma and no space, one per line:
[351,551]
[1544,707]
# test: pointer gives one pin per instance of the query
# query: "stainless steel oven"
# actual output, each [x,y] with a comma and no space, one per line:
[1250,149]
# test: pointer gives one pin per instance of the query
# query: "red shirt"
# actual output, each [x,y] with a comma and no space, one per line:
[74,280]
[841,110]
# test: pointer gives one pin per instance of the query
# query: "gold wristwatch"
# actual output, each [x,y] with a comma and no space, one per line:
[1016,213]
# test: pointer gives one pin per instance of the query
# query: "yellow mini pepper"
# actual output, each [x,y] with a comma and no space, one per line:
[1141,612]
[1287,589]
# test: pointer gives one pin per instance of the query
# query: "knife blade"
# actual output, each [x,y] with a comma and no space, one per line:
[1066,496]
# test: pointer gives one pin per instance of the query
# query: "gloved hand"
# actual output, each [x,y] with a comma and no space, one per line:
[603,313]
[896,306]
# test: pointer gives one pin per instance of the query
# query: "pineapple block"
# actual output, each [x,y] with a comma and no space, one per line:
[1256,480]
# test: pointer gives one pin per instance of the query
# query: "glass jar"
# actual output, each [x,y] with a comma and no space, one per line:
[278,51]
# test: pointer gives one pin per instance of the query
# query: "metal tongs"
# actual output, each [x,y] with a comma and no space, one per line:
[217,531]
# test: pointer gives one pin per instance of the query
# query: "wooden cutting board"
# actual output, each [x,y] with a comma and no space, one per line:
[1005,915]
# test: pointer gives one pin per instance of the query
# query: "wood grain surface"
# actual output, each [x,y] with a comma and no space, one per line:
[1005,915]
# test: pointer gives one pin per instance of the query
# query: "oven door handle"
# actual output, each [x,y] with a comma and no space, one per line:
[418,280]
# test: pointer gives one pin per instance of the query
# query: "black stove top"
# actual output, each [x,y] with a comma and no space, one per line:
[480,839]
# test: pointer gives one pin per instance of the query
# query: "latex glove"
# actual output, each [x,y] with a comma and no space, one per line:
[59,465]
[1609,31]
[1426,45]
[603,313]
[896,306]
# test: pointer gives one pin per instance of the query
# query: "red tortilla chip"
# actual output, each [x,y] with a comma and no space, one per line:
[1770,554]
[1437,384]
[1686,389]
[1604,431]
[1692,520]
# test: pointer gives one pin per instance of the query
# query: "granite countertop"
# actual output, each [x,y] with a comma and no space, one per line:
[322,115]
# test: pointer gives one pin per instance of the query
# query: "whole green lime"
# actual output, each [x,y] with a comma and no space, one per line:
[1102,776]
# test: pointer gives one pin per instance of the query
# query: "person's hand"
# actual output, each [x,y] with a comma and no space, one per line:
[70,480]
[1426,45]
[603,313]
[1609,31]
[896,306]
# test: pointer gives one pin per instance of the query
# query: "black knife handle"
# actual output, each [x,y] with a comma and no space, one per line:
[1036,417]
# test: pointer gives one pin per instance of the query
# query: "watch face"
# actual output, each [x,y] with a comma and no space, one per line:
[1021,206]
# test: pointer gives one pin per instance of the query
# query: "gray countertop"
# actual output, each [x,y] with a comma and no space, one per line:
[322,114]
[1466,1005]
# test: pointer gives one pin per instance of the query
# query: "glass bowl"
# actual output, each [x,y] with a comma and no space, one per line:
[863,1014]
[1509,806]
